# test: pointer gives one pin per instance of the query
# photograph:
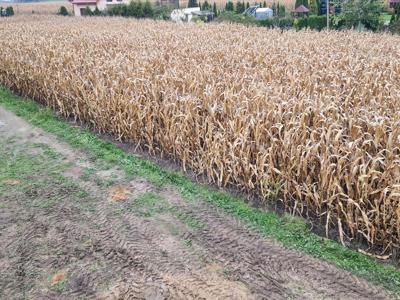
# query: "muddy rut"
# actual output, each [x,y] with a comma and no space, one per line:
[73,228]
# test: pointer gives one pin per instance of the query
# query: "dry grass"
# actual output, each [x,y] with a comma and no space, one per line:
[315,116]
[40,8]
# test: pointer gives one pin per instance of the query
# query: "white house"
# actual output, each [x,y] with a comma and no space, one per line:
[260,13]
[183,15]
[79,6]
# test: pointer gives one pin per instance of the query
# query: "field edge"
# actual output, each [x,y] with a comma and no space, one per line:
[291,232]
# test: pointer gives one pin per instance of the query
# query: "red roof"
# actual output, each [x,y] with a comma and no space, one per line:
[301,9]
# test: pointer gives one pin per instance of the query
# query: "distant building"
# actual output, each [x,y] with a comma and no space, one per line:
[184,15]
[79,6]
[260,13]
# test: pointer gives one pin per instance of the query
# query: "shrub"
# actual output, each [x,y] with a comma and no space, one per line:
[281,10]
[277,22]
[162,12]
[229,6]
[316,22]
[285,22]
[394,27]
[231,17]
[7,12]
[215,9]
[361,13]
[10,11]
[240,7]
[137,9]
[63,11]
[88,11]
[312,22]
[206,6]
[192,3]
[148,11]
[97,12]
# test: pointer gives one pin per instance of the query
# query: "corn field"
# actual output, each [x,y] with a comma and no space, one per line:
[306,118]
[40,8]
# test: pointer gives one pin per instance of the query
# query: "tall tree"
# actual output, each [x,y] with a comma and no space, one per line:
[148,11]
[206,6]
[239,7]
[301,2]
[361,13]
[192,3]
[281,10]
[215,10]
[313,7]
[229,6]
[274,10]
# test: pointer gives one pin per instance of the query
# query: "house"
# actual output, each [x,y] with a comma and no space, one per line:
[183,15]
[79,6]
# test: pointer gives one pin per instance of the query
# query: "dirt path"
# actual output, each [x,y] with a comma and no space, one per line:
[71,228]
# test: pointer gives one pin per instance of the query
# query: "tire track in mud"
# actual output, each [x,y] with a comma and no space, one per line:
[132,242]
[261,262]
[108,250]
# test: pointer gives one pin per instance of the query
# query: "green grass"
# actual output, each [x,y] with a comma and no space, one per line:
[38,177]
[291,232]
[149,204]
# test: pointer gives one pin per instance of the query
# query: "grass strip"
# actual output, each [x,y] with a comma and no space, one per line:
[291,232]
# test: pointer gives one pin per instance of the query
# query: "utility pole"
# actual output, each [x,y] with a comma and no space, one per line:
[327,14]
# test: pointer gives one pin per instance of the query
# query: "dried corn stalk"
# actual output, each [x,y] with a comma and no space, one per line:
[313,117]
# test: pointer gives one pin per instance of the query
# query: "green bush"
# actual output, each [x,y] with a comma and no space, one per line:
[312,22]
[361,14]
[240,7]
[277,22]
[231,17]
[394,26]
[7,12]
[88,11]
[206,6]
[229,6]
[270,22]
[162,12]
[316,22]
[192,3]
[97,12]
[215,11]
[62,11]
[138,9]
[285,22]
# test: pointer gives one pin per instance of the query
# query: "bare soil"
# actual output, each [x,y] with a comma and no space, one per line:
[71,228]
